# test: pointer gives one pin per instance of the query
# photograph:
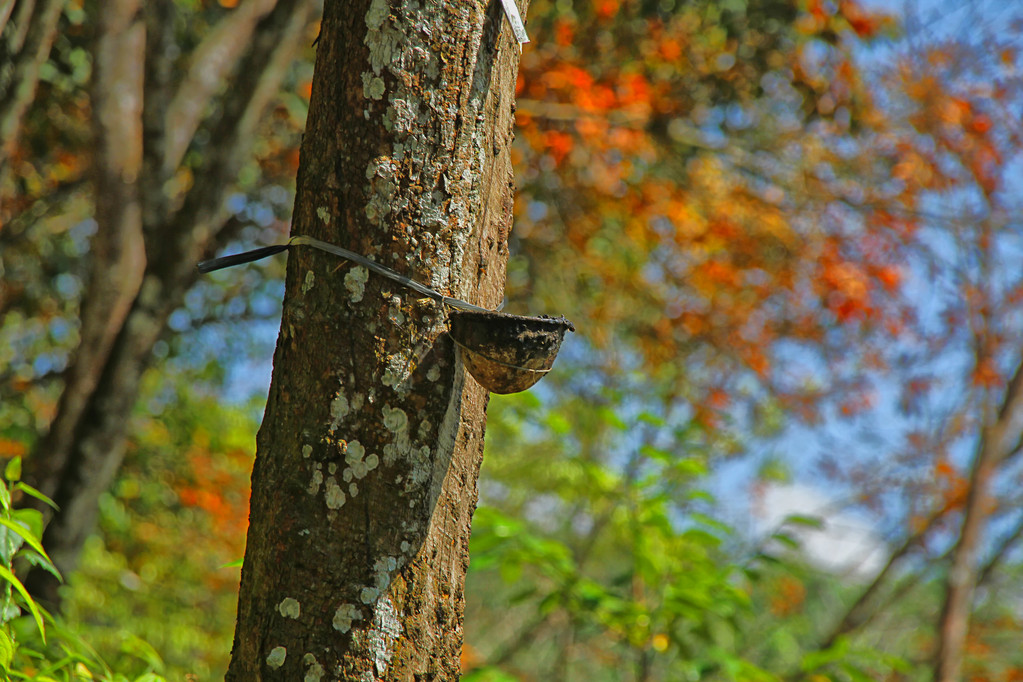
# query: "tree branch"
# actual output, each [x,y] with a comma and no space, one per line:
[1003,548]
[216,56]
[39,29]
[157,91]
[6,7]
[857,614]
[259,76]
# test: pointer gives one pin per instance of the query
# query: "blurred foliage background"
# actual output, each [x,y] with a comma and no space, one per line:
[786,230]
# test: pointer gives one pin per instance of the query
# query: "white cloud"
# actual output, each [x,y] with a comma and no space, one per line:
[844,544]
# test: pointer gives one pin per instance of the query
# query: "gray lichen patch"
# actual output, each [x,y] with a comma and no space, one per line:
[289,608]
[333,495]
[421,470]
[372,86]
[398,371]
[397,423]
[315,482]
[382,569]
[345,615]
[355,282]
[308,282]
[377,13]
[395,315]
[339,409]
[354,452]
[359,464]
[314,671]
[395,419]
[275,659]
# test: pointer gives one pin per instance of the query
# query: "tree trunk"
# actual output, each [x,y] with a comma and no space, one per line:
[367,460]
[144,253]
[961,581]
[1001,439]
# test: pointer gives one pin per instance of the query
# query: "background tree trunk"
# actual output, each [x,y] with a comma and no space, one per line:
[367,461]
[146,246]
[1000,441]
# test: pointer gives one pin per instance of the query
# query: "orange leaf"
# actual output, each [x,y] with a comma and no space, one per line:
[564,33]
[607,8]
[981,123]
[890,277]
[986,374]
[790,595]
[11,448]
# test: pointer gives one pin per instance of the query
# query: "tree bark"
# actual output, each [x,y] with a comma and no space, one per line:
[367,460]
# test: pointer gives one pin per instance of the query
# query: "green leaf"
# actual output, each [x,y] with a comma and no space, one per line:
[522,596]
[42,562]
[25,534]
[143,650]
[488,674]
[237,563]
[690,466]
[31,519]
[558,424]
[10,543]
[608,416]
[6,651]
[152,677]
[29,490]
[786,539]
[773,469]
[12,472]
[702,537]
[510,571]
[650,418]
[6,574]
[711,522]
[817,659]
[549,603]
[815,522]
[855,673]
[657,454]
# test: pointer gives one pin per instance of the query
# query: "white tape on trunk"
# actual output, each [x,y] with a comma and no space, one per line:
[511,11]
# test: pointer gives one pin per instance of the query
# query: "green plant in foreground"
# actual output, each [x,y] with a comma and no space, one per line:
[26,651]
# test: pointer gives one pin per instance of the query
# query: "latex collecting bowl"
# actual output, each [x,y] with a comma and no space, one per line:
[507,353]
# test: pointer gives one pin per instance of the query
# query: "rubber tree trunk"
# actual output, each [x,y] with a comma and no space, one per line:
[367,460]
